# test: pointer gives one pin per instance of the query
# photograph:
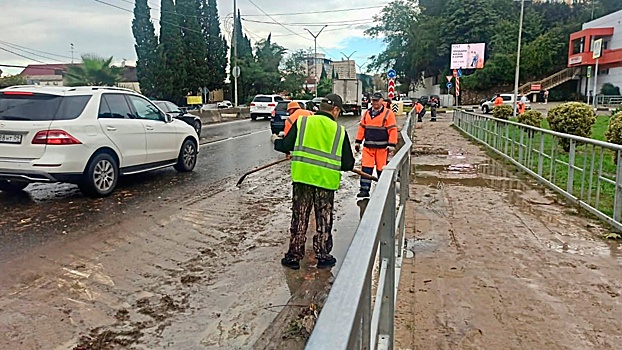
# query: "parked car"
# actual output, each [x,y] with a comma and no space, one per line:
[280,114]
[225,104]
[174,111]
[88,136]
[508,99]
[408,102]
[316,101]
[263,105]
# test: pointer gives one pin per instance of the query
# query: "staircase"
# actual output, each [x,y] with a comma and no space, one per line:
[552,81]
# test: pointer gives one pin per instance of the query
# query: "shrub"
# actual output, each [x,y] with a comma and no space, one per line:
[609,89]
[574,118]
[616,111]
[502,112]
[531,118]
[614,132]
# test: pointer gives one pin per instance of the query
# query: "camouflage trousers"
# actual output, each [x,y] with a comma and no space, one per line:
[305,198]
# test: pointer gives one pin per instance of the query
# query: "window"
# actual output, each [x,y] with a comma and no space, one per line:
[282,106]
[144,109]
[172,108]
[507,98]
[114,106]
[40,107]
[278,98]
[577,46]
[262,99]
[163,106]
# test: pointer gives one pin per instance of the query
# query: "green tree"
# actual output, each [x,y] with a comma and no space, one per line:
[94,71]
[324,87]
[268,56]
[215,44]
[172,72]
[146,46]
[249,69]
[12,80]
[294,74]
[195,47]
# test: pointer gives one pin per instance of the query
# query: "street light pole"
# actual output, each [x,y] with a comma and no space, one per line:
[235,54]
[315,54]
[520,35]
[348,58]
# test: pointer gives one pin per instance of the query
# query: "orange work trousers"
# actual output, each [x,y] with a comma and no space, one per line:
[375,157]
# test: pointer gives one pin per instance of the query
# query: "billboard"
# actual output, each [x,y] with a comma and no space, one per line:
[467,56]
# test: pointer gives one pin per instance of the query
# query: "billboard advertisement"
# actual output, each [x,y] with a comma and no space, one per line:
[467,56]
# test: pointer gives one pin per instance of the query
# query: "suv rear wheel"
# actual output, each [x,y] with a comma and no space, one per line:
[187,159]
[100,177]
[485,109]
[12,186]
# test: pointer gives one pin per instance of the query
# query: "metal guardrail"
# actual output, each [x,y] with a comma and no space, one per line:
[349,319]
[585,171]
[608,100]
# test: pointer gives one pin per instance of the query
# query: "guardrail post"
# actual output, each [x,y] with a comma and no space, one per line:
[617,202]
[387,251]
[541,154]
[571,157]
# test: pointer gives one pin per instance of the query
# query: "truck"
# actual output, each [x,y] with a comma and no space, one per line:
[351,91]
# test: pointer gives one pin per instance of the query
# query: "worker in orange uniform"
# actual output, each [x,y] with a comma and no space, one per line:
[498,101]
[420,110]
[295,112]
[378,130]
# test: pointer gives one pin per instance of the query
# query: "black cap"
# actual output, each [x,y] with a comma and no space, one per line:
[333,100]
[377,96]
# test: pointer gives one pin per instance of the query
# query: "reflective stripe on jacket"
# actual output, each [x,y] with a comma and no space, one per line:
[379,131]
[316,159]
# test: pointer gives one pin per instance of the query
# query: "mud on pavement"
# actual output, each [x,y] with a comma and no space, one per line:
[201,274]
[499,263]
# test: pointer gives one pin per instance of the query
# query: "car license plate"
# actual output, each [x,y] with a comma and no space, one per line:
[10,138]
[262,107]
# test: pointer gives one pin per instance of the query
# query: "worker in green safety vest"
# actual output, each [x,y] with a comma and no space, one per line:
[320,150]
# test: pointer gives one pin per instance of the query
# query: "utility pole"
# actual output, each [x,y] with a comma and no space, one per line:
[520,36]
[348,58]
[71,53]
[315,55]
[235,54]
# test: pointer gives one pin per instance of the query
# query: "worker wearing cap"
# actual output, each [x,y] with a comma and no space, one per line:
[295,112]
[498,101]
[378,130]
[320,150]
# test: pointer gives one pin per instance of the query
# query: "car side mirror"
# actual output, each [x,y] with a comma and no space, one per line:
[168,118]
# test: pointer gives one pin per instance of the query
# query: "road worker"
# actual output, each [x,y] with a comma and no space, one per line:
[378,129]
[498,101]
[320,150]
[295,112]
[420,110]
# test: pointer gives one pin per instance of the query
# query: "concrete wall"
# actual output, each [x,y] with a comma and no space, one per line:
[222,115]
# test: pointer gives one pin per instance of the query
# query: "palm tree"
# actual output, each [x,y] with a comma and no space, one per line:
[94,71]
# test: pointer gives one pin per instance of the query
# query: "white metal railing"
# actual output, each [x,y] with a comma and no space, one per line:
[585,171]
[349,319]
[609,100]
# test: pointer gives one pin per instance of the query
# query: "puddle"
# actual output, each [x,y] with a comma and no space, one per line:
[417,245]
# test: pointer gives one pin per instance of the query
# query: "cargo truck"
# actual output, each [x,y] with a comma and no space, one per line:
[351,91]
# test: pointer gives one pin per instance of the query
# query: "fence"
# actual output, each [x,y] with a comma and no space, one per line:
[349,319]
[587,172]
[608,100]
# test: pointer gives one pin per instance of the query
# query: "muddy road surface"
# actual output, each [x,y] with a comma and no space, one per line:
[169,261]
[499,262]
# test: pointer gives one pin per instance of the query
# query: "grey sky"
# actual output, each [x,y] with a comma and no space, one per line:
[51,26]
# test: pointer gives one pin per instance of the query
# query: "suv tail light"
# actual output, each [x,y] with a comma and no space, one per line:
[252,105]
[54,137]
[271,104]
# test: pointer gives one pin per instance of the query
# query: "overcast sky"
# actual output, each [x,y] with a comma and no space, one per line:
[43,30]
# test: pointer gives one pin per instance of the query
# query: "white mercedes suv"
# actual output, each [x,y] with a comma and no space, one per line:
[88,136]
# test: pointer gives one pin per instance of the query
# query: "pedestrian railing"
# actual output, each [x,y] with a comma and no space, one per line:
[609,100]
[586,172]
[349,318]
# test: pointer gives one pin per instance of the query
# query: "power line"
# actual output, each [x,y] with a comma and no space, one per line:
[313,24]
[31,49]
[277,22]
[22,56]
[29,52]
[314,12]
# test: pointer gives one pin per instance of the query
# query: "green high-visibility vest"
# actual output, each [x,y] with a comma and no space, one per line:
[316,159]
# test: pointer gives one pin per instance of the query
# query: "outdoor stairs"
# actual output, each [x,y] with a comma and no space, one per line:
[552,81]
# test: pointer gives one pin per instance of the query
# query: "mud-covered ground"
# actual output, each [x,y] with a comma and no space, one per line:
[500,263]
[191,264]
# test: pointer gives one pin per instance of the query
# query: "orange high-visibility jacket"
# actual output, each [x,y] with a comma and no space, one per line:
[379,131]
[418,107]
[498,101]
[294,116]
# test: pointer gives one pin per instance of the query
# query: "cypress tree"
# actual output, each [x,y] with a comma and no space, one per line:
[172,76]
[215,42]
[194,45]
[146,45]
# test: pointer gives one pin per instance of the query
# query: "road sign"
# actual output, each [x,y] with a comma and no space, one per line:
[391,88]
[459,73]
[449,77]
[236,72]
[597,48]
[536,87]
[449,85]
[392,74]
[455,73]
[589,71]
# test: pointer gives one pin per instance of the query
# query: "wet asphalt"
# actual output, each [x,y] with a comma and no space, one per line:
[46,212]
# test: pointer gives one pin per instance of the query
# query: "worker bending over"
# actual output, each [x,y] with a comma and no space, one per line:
[295,112]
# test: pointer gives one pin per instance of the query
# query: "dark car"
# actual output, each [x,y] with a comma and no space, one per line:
[178,113]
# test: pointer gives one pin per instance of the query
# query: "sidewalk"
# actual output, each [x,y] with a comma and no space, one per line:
[498,262]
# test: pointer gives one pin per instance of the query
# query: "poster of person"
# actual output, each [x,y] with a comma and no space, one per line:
[467,56]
